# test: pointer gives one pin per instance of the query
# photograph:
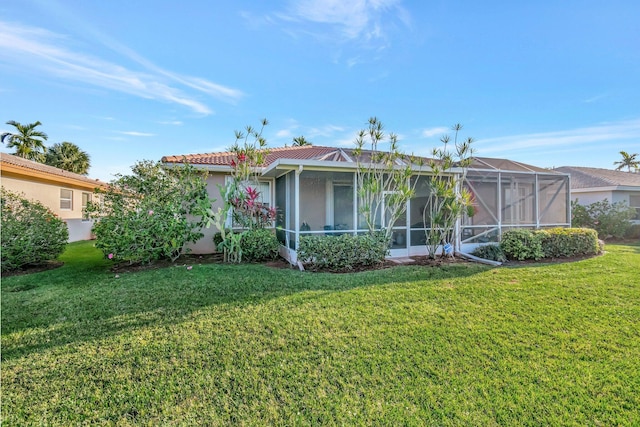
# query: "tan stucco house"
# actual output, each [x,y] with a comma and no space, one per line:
[65,193]
[591,185]
[314,189]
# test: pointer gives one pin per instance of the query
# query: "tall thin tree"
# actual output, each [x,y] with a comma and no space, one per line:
[300,141]
[68,156]
[629,161]
[27,140]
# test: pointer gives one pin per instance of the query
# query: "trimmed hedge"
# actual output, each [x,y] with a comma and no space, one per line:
[259,245]
[568,242]
[31,233]
[523,244]
[344,252]
[491,252]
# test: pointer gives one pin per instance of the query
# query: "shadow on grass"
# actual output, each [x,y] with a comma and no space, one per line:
[83,301]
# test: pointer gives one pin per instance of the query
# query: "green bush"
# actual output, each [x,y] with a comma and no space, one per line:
[151,214]
[217,238]
[258,245]
[633,232]
[31,233]
[550,243]
[344,252]
[568,242]
[608,219]
[491,252]
[522,244]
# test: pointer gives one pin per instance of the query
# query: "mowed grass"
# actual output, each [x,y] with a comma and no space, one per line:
[555,344]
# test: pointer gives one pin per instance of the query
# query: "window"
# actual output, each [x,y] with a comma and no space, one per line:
[634,202]
[264,197]
[86,198]
[66,199]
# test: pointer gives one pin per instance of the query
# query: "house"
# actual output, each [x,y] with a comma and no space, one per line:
[590,185]
[313,190]
[65,193]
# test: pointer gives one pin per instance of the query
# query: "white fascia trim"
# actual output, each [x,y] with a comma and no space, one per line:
[600,189]
[210,168]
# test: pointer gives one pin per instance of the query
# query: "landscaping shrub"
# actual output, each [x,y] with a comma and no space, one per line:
[491,252]
[343,252]
[258,245]
[568,242]
[522,244]
[217,238]
[31,233]
[152,214]
[608,219]
[633,232]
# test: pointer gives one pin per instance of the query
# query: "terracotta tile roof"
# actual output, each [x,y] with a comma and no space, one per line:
[582,177]
[29,165]
[305,152]
[313,152]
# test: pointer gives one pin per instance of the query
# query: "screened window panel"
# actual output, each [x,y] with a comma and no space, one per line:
[518,199]
[418,204]
[484,193]
[281,203]
[552,200]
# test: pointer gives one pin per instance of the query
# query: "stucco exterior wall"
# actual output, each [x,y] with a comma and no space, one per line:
[205,245]
[591,197]
[47,194]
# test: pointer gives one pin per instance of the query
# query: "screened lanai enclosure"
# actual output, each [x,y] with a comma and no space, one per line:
[320,198]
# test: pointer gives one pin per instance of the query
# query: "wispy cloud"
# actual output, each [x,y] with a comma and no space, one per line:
[597,134]
[595,98]
[435,131]
[46,52]
[363,21]
[318,135]
[136,133]
[171,122]
[284,133]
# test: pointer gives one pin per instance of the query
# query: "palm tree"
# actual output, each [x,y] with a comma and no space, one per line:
[68,156]
[299,141]
[28,142]
[628,161]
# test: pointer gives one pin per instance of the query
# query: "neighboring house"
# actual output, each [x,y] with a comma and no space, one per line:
[65,193]
[314,187]
[590,185]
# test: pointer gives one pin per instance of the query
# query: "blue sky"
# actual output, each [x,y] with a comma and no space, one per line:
[547,83]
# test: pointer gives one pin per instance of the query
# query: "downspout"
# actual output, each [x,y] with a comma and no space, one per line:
[477,259]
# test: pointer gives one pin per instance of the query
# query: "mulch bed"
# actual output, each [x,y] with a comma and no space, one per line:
[280,263]
[28,269]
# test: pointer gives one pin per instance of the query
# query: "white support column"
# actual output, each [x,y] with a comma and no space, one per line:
[499,204]
[296,218]
[536,189]
[355,202]
[287,217]
[568,191]
[457,245]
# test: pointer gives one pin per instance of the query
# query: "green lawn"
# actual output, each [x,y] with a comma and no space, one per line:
[249,345]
